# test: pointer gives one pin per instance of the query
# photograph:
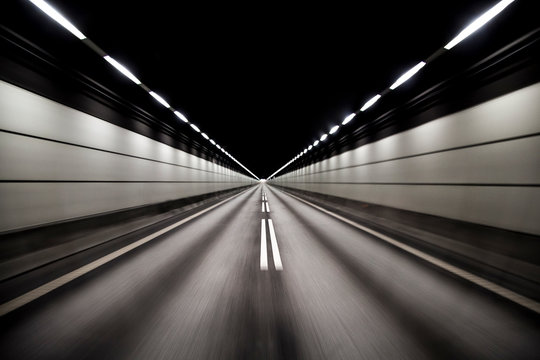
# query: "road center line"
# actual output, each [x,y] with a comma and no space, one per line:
[275,249]
[486,284]
[264,254]
[64,279]
[267,207]
[262,206]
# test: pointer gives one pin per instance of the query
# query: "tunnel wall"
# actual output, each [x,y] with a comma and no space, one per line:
[59,163]
[480,165]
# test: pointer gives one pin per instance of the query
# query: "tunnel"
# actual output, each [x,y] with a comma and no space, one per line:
[269,181]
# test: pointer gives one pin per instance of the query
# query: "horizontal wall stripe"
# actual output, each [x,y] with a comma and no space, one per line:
[112,182]
[290,175]
[415,184]
[106,151]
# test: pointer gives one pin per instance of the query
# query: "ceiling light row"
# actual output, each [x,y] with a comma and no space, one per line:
[468,30]
[59,18]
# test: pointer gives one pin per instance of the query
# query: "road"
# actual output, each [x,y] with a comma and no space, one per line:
[266,276]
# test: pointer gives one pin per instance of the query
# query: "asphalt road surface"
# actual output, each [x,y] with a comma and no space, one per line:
[266,276]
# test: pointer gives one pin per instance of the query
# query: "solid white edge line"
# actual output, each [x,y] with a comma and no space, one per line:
[486,284]
[64,279]
[264,252]
[275,249]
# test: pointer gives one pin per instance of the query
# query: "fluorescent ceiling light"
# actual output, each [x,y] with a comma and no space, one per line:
[478,23]
[195,127]
[316,143]
[370,102]
[160,99]
[205,136]
[59,18]
[122,69]
[305,151]
[324,137]
[407,75]
[181,116]
[334,129]
[212,142]
[310,147]
[348,118]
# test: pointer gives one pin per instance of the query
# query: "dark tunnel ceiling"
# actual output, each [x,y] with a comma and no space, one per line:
[266,79]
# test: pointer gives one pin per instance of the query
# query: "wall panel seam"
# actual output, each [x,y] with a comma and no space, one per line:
[419,183]
[116,181]
[419,154]
[111,152]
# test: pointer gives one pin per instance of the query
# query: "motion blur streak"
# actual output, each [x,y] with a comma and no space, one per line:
[198,293]
[407,230]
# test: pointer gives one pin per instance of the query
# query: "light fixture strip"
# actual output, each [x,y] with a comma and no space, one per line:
[408,75]
[160,99]
[59,18]
[181,116]
[348,119]
[370,102]
[478,23]
[122,69]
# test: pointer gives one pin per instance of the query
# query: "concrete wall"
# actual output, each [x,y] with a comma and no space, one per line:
[480,165]
[58,163]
